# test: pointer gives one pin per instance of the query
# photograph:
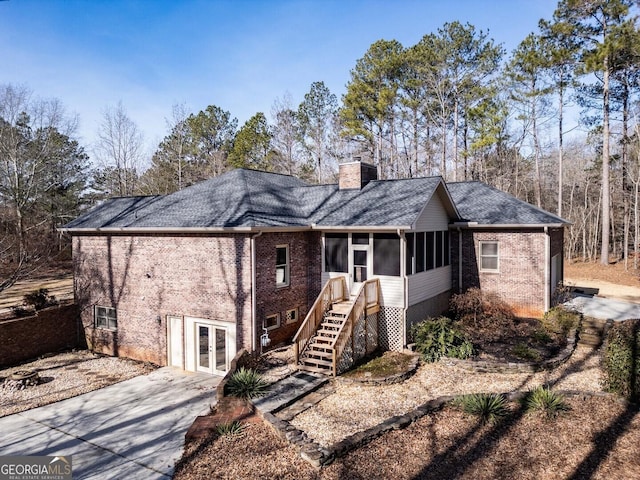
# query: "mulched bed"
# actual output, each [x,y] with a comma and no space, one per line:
[596,439]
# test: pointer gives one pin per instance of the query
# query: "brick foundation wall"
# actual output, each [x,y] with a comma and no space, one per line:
[304,280]
[520,281]
[51,330]
[147,277]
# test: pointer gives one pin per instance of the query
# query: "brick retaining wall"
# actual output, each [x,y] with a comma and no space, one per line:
[51,330]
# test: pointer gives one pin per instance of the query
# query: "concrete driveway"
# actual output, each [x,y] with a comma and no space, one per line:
[604,308]
[133,429]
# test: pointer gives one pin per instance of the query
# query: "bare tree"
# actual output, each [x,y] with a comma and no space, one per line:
[120,149]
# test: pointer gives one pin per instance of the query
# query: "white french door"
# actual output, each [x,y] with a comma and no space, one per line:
[212,355]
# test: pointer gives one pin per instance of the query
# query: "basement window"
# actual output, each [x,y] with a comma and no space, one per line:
[291,316]
[489,256]
[272,321]
[105,317]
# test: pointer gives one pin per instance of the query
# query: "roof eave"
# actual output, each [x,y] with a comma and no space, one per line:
[174,230]
[476,225]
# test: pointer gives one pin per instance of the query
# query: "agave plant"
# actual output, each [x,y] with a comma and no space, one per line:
[246,383]
[490,407]
[542,399]
[232,428]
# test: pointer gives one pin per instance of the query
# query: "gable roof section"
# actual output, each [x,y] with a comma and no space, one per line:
[250,199]
[240,198]
[480,203]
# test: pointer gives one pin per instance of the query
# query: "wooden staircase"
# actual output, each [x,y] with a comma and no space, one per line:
[318,355]
[328,327]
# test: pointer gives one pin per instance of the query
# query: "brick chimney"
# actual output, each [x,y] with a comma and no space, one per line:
[356,174]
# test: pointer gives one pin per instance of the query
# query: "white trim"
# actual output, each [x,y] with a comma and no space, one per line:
[496,256]
[272,327]
[287,267]
[291,315]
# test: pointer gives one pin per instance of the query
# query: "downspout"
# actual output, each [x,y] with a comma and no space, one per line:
[253,291]
[459,260]
[547,261]
[405,281]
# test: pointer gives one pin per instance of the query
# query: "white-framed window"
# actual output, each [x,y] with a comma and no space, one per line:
[489,256]
[291,316]
[272,321]
[105,317]
[282,265]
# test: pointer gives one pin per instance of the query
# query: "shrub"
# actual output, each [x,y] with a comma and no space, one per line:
[246,383]
[232,428]
[522,350]
[438,337]
[485,317]
[622,359]
[39,299]
[542,336]
[542,399]
[560,321]
[490,407]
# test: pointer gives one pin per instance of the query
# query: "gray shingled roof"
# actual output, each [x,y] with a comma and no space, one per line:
[255,199]
[250,198]
[481,203]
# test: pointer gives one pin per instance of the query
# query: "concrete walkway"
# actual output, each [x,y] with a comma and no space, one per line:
[604,308]
[133,429]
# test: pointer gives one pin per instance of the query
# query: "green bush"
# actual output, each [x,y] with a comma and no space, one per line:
[438,337]
[622,359]
[522,350]
[490,407]
[246,383]
[542,399]
[560,321]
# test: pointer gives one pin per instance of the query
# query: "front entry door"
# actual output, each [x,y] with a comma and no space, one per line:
[359,260]
[211,349]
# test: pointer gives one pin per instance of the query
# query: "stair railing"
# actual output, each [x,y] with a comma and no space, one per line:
[335,290]
[367,301]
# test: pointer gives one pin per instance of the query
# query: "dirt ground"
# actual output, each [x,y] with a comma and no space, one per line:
[611,281]
[58,280]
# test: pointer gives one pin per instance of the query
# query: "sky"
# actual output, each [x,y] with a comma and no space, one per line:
[239,55]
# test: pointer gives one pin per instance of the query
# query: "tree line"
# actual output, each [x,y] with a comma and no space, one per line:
[455,104]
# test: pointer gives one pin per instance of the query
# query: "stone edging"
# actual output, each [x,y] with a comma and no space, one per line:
[494,366]
[233,366]
[388,380]
[319,456]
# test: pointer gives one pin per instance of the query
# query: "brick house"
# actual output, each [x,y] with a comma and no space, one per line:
[247,259]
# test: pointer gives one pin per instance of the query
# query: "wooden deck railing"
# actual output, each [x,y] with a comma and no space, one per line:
[335,290]
[367,301]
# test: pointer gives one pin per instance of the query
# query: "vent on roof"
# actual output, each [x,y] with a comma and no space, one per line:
[356,174]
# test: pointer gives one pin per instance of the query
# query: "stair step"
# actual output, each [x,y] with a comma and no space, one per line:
[319,346]
[327,333]
[330,326]
[316,362]
[309,368]
[334,318]
[318,355]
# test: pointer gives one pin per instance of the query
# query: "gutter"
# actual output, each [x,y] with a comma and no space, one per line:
[547,262]
[507,225]
[175,230]
[253,291]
